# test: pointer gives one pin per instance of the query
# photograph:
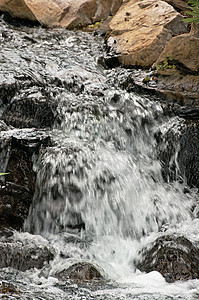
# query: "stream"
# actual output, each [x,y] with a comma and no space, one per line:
[100,195]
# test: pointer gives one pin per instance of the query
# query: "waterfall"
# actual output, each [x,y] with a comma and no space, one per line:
[102,193]
[103,172]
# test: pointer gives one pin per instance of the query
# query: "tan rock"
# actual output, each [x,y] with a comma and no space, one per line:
[83,12]
[66,13]
[195,29]
[17,9]
[141,29]
[184,50]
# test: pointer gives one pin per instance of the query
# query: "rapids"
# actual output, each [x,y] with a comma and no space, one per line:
[100,195]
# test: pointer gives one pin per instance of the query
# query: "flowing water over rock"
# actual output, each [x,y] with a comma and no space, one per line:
[100,195]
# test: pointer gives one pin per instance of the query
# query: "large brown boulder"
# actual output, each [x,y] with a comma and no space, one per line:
[141,29]
[17,9]
[183,50]
[64,13]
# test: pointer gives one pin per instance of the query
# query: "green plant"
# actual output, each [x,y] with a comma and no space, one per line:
[3,174]
[194,5]
[146,79]
[166,64]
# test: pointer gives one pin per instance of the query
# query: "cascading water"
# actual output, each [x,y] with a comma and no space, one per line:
[103,171]
[100,196]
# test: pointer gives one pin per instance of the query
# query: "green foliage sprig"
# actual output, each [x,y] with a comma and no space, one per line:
[166,64]
[194,5]
[4,173]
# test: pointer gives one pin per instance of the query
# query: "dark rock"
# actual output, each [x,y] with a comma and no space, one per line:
[135,82]
[17,187]
[14,204]
[177,91]
[176,258]
[23,255]
[31,145]
[7,91]
[188,157]
[17,191]
[178,86]
[109,62]
[182,142]
[30,110]
[80,272]
[18,22]
[190,113]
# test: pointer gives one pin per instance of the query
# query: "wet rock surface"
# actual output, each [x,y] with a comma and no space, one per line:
[33,80]
[30,109]
[15,201]
[80,272]
[23,254]
[179,87]
[177,90]
[176,258]
[35,75]
[189,155]
[179,156]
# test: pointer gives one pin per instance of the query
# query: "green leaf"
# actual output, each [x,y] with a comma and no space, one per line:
[193,2]
[196,19]
[192,13]
[4,173]
[194,6]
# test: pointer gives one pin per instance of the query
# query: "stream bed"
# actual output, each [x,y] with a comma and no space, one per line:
[100,194]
